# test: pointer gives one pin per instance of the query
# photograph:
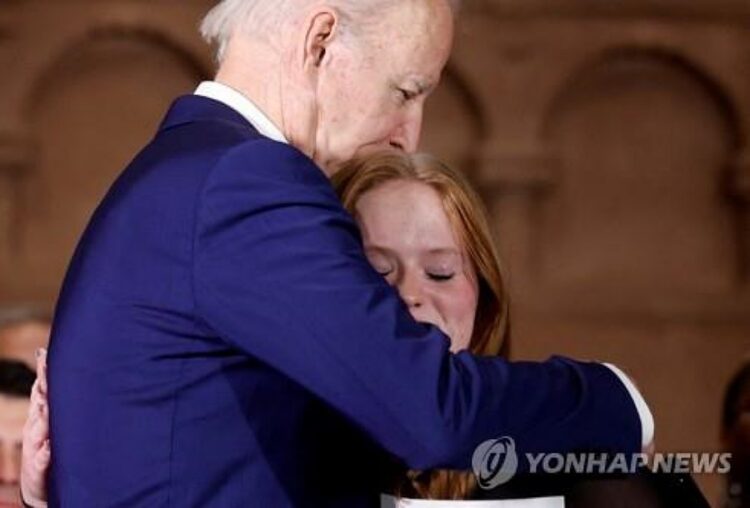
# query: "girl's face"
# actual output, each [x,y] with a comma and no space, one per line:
[409,239]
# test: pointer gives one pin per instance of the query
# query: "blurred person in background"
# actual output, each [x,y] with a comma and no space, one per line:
[735,437]
[24,333]
[16,381]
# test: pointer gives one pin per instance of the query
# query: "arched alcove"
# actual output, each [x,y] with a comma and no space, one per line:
[454,125]
[88,115]
[642,140]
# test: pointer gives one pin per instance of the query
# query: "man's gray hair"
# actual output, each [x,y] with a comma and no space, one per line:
[262,17]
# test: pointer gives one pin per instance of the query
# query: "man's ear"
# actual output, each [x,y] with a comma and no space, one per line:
[321,29]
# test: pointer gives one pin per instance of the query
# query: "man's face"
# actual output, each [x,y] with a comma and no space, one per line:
[13,411]
[372,92]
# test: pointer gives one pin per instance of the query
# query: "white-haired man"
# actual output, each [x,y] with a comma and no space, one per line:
[338,77]
[221,340]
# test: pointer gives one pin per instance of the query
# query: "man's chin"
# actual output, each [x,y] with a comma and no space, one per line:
[327,165]
[333,165]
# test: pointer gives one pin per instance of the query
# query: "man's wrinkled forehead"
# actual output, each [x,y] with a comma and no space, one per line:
[418,44]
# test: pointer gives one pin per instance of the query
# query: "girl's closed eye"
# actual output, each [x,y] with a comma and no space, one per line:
[384,272]
[379,262]
[440,274]
[440,278]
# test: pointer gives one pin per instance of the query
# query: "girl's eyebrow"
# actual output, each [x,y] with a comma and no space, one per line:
[444,250]
[437,251]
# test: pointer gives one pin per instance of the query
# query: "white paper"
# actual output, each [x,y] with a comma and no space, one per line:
[537,502]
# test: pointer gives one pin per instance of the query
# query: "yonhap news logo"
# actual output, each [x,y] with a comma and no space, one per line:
[496,462]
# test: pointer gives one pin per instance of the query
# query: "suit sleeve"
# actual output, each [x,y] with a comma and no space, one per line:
[279,273]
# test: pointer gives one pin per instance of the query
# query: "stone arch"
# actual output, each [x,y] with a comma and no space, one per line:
[88,113]
[80,42]
[454,122]
[669,57]
[642,141]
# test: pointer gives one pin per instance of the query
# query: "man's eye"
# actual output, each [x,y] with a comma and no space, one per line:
[440,277]
[406,95]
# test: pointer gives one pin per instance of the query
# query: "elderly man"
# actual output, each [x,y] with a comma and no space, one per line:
[221,340]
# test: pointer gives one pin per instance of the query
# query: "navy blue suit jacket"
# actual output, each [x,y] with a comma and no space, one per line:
[221,340]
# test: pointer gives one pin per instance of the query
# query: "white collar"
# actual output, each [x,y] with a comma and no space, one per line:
[242,105]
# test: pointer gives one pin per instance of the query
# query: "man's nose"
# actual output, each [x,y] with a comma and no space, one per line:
[10,464]
[406,137]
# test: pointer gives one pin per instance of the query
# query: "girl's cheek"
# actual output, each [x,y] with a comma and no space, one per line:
[457,309]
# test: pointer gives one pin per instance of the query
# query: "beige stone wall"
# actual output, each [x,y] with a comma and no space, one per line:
[608,138]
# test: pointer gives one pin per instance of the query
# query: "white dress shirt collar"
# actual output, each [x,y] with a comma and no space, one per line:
[242,105]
